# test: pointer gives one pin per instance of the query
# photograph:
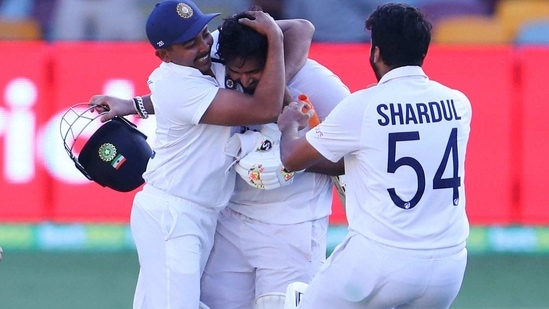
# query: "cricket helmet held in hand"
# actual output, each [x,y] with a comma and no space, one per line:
[114,156]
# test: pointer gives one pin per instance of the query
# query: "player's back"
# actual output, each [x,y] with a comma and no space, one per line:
[405,182]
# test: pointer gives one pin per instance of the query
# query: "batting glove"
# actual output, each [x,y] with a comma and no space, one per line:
[262,168]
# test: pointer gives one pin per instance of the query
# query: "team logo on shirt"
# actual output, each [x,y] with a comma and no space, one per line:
[184,10]
[229,83]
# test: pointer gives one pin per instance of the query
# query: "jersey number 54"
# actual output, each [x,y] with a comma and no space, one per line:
[438,182]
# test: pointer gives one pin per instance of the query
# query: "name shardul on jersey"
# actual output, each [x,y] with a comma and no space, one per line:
[417,113]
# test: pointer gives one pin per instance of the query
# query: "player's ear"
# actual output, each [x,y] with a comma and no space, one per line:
[376,55]
[163,55]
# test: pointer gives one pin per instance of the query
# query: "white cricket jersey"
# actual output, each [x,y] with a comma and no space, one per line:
[189,159]
[309,197]
[404,143]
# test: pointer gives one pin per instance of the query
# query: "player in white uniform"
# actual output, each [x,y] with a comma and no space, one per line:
[404,144]
[267,239]
[174,217]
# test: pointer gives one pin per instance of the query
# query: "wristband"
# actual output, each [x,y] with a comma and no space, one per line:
[139,107]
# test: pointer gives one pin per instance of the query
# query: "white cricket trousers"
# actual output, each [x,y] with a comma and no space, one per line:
[361,273]
[251,258]
[173,238]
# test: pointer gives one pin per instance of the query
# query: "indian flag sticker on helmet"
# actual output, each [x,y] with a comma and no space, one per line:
[118,161]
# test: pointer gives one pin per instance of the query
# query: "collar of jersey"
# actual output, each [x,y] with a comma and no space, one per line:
[407,71]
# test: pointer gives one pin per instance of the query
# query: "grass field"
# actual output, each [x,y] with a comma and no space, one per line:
[80,280]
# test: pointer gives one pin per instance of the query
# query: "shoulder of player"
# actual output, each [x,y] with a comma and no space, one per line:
[370,93]
[310,70]
[452,92]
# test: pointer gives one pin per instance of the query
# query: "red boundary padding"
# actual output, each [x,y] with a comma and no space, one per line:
[505,170]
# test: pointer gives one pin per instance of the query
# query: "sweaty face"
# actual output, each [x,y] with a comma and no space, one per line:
[194,53]
[246,72]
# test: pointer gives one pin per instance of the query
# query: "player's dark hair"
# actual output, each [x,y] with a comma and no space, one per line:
[239,41]
[401,32]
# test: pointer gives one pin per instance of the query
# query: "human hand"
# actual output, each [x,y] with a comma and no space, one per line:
[314,120]
[112,105]
[293,116]
[261,22]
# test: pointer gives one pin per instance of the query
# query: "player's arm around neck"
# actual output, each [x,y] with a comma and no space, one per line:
[298,35]
[231,107]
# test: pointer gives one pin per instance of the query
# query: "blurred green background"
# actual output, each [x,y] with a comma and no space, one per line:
[91,280]
[85,266]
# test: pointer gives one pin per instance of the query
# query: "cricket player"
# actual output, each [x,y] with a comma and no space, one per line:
[188,178]
[267,239]
[404,144]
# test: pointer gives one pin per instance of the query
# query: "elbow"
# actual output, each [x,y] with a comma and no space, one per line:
[307,27]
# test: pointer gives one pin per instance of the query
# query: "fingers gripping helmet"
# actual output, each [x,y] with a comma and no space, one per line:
[114,156]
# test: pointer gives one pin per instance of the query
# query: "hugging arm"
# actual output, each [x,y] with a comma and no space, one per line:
[298,35]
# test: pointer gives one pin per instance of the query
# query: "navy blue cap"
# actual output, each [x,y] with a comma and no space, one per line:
[173,22]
